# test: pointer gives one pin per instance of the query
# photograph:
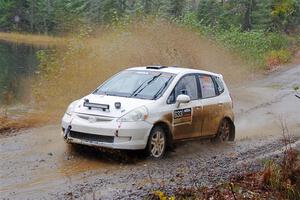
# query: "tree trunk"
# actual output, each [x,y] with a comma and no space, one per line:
[247,23]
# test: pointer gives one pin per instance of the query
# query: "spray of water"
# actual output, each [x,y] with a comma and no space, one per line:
[70,72]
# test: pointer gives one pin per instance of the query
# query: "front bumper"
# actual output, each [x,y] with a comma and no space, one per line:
[107,133]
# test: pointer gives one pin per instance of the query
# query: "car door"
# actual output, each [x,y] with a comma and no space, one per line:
[212,112]
[184,117]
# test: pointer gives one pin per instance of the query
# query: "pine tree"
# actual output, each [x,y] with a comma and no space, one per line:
[262,15]
[209,12]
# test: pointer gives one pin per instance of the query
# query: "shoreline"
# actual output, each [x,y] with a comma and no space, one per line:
[32,39]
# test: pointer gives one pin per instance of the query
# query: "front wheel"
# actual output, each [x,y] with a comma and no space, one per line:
[156,146]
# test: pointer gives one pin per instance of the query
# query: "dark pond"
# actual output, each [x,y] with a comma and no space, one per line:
[17,64]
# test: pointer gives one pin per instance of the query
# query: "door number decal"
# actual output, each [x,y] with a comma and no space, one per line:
[182,116]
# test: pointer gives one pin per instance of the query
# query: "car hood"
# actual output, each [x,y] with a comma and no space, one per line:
[127,104]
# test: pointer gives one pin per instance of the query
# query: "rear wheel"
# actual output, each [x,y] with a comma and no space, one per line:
[225,131]
[156,146]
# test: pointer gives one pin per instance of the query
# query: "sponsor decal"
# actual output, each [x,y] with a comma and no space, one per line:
[182,116]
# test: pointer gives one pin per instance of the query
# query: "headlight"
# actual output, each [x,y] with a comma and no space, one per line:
[71,108]
[138,114]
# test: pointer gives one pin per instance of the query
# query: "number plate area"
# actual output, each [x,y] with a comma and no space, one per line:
[182,116]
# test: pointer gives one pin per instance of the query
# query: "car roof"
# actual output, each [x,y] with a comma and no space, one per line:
[173,69]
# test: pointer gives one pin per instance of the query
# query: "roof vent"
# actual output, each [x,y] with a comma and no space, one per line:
[156,67]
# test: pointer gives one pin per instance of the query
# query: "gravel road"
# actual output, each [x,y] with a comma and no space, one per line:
[37,164]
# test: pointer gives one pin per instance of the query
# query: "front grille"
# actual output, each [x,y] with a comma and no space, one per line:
[91,137]
[97,118]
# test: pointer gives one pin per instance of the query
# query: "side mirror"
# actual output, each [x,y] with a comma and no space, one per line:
[182,98]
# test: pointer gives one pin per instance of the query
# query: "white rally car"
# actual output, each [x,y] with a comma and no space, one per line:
[150,108]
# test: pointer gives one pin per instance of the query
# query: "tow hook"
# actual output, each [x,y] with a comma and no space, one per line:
[67,132]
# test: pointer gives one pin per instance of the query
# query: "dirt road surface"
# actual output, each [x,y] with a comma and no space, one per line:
[37,164]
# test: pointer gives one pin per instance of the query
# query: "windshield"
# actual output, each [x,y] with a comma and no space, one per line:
[136,84]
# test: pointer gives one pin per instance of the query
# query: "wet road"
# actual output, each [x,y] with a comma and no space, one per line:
[38,164]
[262,105]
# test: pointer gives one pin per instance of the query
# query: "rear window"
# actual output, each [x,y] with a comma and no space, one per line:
[207,86]
[219,84]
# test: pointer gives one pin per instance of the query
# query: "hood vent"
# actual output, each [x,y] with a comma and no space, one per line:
[104,107]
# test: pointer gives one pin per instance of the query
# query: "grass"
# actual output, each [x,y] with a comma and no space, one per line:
[37,40]
[262,50]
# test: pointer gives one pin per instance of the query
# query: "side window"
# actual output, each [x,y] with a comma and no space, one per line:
[207,86]
[220,85]
[187,85]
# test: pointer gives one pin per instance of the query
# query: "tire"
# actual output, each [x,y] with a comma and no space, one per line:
[157,143]
[225,131]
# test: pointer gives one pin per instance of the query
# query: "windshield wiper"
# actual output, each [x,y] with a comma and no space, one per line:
[162,88]
[138,90]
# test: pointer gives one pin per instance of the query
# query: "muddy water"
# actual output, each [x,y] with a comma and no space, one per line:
[39,158]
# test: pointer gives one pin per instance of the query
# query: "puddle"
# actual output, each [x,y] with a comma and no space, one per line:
[40,158]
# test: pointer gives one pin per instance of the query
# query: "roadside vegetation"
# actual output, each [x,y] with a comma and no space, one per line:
[277,180]
[262,50]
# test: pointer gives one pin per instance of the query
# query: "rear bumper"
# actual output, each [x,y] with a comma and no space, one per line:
[108,134]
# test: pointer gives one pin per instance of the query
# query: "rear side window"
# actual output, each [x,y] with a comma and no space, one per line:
[207,86]
[188,86]
[219,84]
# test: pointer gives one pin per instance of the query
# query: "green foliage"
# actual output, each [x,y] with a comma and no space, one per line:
[176,7]
[210,13]
[262,15]
[51,16]
[6,17]
[251,28]
[252,45]
[268,15]
[286,14]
